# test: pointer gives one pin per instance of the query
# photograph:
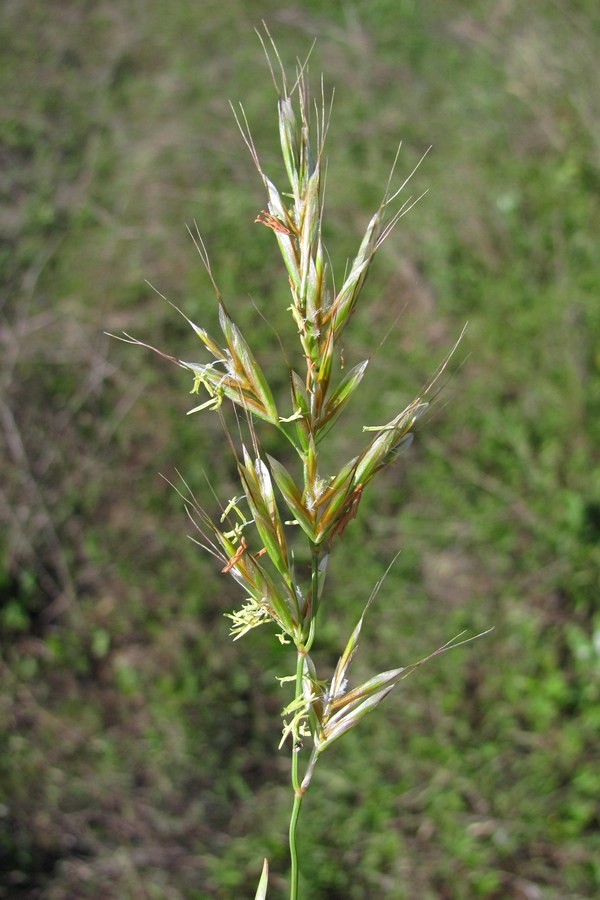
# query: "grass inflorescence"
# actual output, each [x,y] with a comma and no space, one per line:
[255,536]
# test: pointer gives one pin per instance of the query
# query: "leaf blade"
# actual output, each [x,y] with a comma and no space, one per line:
[261,892]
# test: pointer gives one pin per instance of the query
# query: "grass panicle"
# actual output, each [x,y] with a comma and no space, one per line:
[254,541]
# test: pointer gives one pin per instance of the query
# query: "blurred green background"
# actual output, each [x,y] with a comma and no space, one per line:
[138,751]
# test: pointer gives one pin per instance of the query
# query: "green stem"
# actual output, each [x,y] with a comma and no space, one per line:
[300,788]
[298,791]
[293,848]
[295,735]
[314,589]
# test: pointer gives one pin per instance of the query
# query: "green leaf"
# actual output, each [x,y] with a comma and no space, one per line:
[261,893]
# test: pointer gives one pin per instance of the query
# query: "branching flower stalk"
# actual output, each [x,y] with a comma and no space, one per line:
[251,538]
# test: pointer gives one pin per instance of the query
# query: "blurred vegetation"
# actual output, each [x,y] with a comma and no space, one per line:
[138,751]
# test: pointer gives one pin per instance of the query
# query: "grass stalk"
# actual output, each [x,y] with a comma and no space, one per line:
[294,871]
[253,540]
